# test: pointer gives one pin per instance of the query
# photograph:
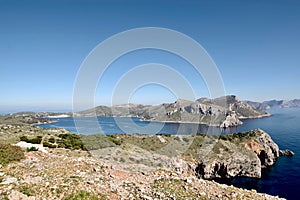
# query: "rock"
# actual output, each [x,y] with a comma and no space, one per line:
[9,180]
[188,180]
[90,182]
[23,144]
[32,180]
[16,195]
[179,165]
[231,120]
[96,169]
[286,152]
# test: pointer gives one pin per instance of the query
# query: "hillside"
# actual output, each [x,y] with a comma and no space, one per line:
[224,111]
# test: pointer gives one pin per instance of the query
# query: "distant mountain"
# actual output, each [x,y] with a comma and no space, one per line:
[283,103]
[224,111]
[258,105]
[274,104]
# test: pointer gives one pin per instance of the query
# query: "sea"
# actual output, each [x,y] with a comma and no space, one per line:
[282,179]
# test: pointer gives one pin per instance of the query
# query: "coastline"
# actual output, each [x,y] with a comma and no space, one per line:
[187,122]
[257,117]
[48,122]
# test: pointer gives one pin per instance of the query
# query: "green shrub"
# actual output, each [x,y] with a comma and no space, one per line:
[36,140]
[70,141]
[52,140]
[84,195]
[10,153]
[115,139]
[32,149]
[27,191]
[49,145]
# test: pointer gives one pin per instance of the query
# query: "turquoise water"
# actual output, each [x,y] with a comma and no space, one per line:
[282,179]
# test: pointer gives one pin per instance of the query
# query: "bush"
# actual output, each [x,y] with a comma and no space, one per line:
[117,141]
[52,140]
[185,139]
[9,153]
[36,140]
[49,145]
[32,149]
[84,195]
[70,141]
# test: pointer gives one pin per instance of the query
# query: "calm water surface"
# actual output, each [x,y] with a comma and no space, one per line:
[282,179]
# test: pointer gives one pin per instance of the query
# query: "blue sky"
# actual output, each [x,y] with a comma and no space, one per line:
[255,44]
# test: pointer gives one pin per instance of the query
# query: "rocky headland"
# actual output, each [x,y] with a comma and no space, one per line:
[224,111]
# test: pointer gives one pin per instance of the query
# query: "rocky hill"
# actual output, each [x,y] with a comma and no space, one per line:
[274,104]
[258,105]
[224,111]
[67,166]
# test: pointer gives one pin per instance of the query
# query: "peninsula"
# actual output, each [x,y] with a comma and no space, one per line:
[224,111]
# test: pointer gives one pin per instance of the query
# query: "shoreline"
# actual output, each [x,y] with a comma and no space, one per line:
[40,123]
[257,117]
[184,122]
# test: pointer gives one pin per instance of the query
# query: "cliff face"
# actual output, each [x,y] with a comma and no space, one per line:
[243,154]
[231,119]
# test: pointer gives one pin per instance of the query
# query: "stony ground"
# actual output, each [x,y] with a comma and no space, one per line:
[60,173]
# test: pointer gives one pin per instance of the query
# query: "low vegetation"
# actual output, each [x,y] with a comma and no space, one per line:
[35,140]
[32,149]
[84,195]
[10,153]
[70,141]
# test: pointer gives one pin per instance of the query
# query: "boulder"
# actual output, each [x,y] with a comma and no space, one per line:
[286,152]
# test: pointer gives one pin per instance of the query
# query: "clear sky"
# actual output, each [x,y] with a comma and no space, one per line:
[255,44]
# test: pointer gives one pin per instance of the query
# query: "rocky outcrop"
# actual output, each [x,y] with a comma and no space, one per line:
[231,120]
[286,152]
[234,156]
[229,167]
[269,151]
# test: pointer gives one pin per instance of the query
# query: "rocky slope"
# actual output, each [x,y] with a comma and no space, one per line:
[62,174]
[224,111]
